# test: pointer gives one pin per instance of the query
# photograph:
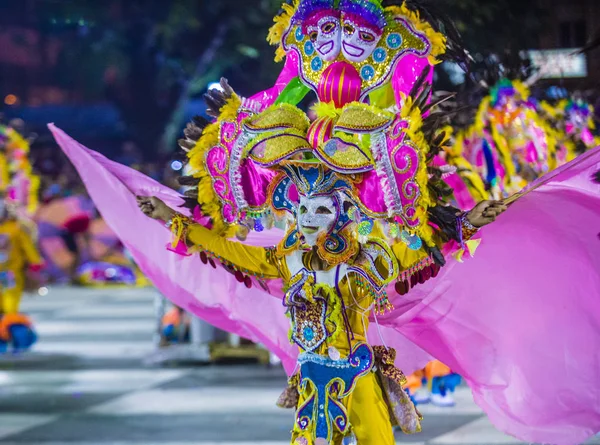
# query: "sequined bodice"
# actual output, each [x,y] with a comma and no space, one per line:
[329,309]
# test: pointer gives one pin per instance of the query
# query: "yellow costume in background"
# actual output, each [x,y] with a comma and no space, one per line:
[17,251]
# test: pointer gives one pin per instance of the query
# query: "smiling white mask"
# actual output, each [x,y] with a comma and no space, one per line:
[358,41]
[326,35]
[316,216]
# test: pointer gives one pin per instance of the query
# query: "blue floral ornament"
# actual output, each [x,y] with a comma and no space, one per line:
[309,48]
[299,34]
[367,72]
[394,41]
[316,64]
[379,55]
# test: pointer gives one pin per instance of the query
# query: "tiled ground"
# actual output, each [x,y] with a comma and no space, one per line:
[86,383]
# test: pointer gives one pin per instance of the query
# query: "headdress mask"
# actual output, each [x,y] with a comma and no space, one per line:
[363,22]
[383,147]
[321,22]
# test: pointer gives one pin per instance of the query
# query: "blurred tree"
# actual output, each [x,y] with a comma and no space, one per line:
[149,57]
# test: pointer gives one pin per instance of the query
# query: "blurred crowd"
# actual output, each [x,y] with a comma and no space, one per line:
[59,179]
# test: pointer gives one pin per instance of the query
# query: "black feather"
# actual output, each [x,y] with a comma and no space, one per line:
[423,97]
[189,203]
[455,48]
[438,102]
[420,82]
[200,121]
[188,181]
[437,255]
[445,218]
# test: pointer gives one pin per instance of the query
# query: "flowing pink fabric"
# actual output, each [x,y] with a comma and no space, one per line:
[521,321]
[213,295]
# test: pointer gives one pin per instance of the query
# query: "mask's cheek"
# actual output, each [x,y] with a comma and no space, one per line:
[358,42]
[319,221]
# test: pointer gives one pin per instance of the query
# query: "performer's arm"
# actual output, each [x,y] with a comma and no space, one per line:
[461,226]
[255,260]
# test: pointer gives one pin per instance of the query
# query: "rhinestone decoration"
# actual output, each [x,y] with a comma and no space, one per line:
[365,228]
[379,55]
[394,41]
[309,333]
[394,230]
[367,72]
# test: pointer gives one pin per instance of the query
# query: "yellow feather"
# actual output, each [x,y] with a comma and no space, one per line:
[282,23]
[437,40]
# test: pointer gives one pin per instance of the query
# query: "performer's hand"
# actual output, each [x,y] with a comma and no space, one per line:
[155,208]
[485,213]
[217,98]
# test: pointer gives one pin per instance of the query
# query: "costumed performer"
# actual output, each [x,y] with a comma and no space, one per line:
[372,209]
[352,228]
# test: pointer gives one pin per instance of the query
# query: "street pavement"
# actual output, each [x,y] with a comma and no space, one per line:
[88,382]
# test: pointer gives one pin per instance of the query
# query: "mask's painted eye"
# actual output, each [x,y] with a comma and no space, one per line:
[313,36]
[367,37]
[328,27]
[323,211]
[303,210]
[349,29]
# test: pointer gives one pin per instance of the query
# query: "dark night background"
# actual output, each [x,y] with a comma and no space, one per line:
[124,75]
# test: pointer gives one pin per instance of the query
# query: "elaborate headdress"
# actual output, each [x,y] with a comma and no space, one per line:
[370,146]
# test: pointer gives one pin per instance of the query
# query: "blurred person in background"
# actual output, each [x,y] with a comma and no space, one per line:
[17,253]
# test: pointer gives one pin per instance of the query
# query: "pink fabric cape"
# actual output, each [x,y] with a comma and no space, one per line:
[520,322]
